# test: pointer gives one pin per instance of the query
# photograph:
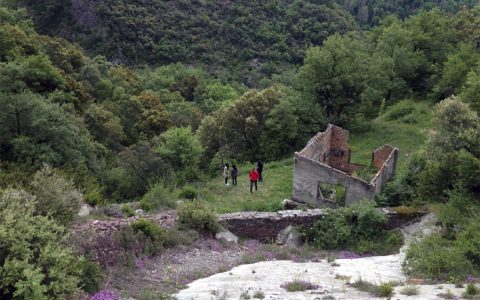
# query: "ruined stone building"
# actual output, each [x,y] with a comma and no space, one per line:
[323,167]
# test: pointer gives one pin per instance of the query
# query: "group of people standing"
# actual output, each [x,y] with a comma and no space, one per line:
[254,175]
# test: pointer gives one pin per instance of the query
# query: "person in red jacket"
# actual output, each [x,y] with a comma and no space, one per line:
[253,175]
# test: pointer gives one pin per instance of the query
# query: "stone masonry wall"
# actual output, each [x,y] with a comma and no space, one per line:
[267,225]
[310,169]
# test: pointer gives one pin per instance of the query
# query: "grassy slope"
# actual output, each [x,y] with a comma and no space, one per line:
[404,125]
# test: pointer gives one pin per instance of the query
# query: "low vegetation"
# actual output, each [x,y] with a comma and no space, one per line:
[409,290]
[376,290]
[197,216]
[360,228]
[299,285]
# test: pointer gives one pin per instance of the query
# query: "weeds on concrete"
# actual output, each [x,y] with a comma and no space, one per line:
[447,295]
[299,285]
[410,290]
[471,292]
[378,290]
[259,294]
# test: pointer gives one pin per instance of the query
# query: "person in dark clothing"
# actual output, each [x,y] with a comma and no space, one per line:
[234,174]
[260,170]
[253,175]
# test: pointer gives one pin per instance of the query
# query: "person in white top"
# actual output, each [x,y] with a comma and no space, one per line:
[225,174]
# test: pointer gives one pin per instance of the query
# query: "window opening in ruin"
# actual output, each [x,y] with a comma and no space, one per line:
[334,193]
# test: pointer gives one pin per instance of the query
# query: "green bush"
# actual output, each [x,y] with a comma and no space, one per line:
[358,228]
[55,195]
[91,277]
[34,262]
[158,196]
[471,291]
[469,242]
[94,195]
[197,216]
[188,192]
[156,236]
[381,290]
[150,229]
[128,210]
[436,258]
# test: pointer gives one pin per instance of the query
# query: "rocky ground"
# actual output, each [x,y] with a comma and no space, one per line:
[332,278]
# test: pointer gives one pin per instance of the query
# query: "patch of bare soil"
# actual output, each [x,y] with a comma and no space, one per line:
[175,268]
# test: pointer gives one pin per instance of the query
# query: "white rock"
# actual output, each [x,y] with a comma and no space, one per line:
[85,210]
[226,236]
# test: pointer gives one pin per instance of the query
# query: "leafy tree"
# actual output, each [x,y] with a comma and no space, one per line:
[453,151]
[281,131]
[470,91]
[181,148]
[213,96]
[36,131]
[334,77]
[455,71]
[35,72]
[184,114]
[104,125]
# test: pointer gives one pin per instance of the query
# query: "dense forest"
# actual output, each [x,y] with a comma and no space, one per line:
[124,101]
[246,41]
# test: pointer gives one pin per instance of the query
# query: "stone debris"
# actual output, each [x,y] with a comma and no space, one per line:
[227,236]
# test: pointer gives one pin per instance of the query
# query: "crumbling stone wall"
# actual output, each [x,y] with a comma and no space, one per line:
[326,159]
[267,225]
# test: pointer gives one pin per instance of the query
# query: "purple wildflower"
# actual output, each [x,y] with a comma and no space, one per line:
[105,295]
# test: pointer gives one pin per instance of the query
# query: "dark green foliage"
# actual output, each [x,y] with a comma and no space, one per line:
[188,192]
[468,241]
[259,125]
[92,277]
[36,131]
[359,228]
[249,39]
[197,216]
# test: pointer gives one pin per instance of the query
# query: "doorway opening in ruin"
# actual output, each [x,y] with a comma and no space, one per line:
[331,193]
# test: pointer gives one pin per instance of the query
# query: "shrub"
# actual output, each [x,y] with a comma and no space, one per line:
[158,196]
[299,285]
[156,237]
[91,277]
[409,290]
[358,228]
[55,195]
[94,195]
[437,259]
[128,210]
[258,294]
[470,291]
[381,290]
[34,262]
[197,216]
[469,242]
[150,229]
[188,192]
